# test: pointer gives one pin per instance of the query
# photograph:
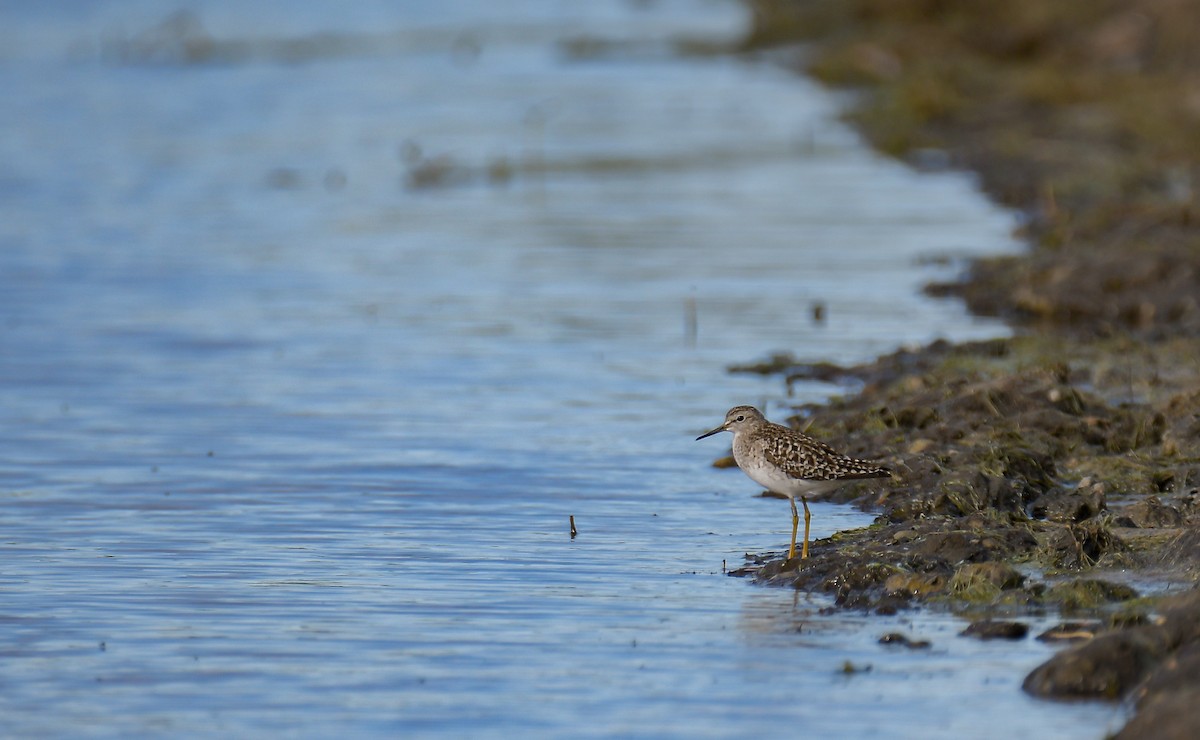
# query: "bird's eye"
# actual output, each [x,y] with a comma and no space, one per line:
[741,418]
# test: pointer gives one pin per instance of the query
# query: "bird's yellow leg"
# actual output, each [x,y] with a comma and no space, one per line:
[807,519]
[795,523]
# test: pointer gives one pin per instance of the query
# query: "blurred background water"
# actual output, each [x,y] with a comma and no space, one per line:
[317,322]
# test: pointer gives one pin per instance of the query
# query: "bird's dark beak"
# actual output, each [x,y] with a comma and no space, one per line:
[711,432]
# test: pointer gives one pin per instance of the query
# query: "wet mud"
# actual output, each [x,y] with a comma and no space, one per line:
[1030,475]
[1060,469]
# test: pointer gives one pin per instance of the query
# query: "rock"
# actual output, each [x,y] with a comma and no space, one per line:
[983,582]
[988,629]
[951,547]
[747,570]
[1128,618]
[1152,513]
[1089,593]
[1178,673]
[1082,545]
[1175,716]
[1132,428]
[1113,663]
[853,586]
[896,638]
[782,362]
[1036,468]
[1103,668]
[850,669]
[1168,701]
[1071,631]
[1184,549]
[916,417]
[1085,502]
[914,584]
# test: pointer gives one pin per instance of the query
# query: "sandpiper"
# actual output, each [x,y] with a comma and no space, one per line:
[790,463]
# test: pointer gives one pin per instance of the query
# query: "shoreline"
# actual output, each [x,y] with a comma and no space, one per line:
[1059,468]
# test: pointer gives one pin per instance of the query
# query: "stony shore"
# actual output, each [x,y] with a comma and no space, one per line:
[1060,468]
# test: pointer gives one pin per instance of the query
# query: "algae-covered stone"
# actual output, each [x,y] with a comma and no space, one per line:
[1082,545]
[1114,663]
[983,582]
[918,585]
[1103,668]
[1089,593]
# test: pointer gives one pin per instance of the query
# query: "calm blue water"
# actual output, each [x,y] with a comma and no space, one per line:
[317,323]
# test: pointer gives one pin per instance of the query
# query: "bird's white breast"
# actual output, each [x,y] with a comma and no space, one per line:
[754,464]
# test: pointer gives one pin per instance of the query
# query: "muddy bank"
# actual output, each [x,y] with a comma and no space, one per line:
[1030,474]
[1082,115]
[1026,473]
[1059,469]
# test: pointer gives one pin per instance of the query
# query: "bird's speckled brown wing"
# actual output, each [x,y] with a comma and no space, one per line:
[802,457]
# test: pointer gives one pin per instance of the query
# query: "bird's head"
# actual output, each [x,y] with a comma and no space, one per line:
[737,419]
